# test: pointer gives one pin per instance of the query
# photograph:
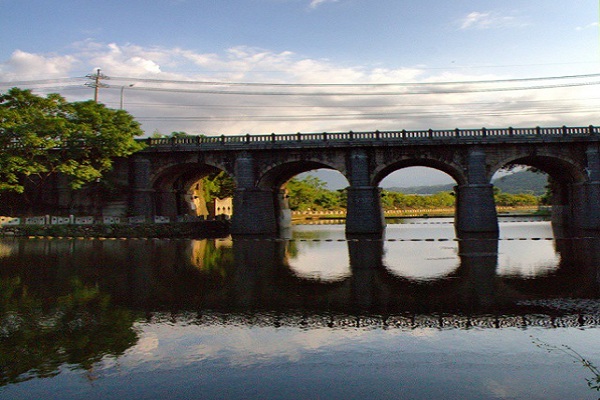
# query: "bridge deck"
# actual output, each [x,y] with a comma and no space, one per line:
[377,138]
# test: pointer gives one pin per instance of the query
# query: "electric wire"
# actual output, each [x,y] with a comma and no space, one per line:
[438,109]
[440,83]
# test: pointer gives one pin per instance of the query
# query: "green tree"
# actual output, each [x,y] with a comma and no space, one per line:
[397,200]
[514,200]
[217,185]
[311,193]
[44,136]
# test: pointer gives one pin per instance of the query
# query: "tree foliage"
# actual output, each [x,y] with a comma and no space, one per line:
[311,193]
[397,200]
[217,185]
[42,136]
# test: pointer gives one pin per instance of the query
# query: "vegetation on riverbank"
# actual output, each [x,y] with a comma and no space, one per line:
[41,137]
[311,194]
[200,229]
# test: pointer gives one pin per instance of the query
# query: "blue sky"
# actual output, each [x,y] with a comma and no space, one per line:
[169,50]
[389,33]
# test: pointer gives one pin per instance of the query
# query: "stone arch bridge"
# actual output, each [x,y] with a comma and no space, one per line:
[260,165]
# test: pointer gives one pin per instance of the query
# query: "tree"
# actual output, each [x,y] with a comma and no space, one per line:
[44,136]
[311,193]
[217,185]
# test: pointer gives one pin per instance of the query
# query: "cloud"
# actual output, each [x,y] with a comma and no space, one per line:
[316,3]
[593,25]
[246,89]
[23,66]
[489,20]
[240,346]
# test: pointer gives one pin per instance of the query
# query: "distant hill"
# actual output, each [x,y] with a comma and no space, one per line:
[523,182]
[518,182]
[423,189]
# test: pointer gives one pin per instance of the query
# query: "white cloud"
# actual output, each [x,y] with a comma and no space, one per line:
[24,66]
[240,346]
[316,3]
[489,20]
[180,98]
[593,25]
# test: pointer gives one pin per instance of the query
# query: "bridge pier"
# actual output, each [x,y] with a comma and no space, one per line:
[364,214]
[586,196]
[254,212]
[586,206]
[254,209]
[475,208]
[166,203]
[475,205]
[141,196]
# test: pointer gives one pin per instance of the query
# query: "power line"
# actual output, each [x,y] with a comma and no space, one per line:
[39,81]
[387,84]
[352,106]
[369,116]
[365,93]
[98,77]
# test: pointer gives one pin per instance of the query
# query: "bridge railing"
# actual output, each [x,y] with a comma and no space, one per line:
[401,135]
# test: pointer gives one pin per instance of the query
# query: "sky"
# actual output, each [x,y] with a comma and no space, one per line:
[261,66]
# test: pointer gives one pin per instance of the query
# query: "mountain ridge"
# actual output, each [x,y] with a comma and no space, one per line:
[515,183]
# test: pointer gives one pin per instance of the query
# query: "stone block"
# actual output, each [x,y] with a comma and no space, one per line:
[60,220]
[35,221]
[9,221]
[84,220]
[111,220]
[161,220]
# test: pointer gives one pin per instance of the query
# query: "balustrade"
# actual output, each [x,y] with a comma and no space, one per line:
[362,137]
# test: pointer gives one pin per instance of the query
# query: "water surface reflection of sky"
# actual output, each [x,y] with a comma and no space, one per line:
[322,250]
[415,315]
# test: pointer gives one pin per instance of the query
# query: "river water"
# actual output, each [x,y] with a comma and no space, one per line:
[416,314]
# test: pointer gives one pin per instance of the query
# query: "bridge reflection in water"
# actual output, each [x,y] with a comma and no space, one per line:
[253,281]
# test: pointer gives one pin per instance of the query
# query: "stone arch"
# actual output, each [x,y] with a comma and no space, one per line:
[177,190]
[454,171]
[269,185]
[565,174]
[279,174]
[560,169]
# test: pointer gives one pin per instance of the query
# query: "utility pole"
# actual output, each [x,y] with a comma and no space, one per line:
[123,94]
[96,84]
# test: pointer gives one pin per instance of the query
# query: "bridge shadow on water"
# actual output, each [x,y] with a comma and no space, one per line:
[252,276]
[103,287]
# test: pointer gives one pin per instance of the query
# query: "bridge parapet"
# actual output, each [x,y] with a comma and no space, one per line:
[375,137]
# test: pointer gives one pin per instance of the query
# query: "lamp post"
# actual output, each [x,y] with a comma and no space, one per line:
[123,92]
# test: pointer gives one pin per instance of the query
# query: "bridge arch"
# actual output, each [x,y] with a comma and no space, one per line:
[566,176]
[560,169]
[272,183]
[278,175]
[177,189]
[453,170]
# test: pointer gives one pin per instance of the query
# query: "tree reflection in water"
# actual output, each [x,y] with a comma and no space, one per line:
[40,334]
[71,302]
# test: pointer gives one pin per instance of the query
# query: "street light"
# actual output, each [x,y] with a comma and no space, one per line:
[123,92]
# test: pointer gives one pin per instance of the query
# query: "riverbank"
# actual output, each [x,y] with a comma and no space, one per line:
[520,211]
[196,229]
